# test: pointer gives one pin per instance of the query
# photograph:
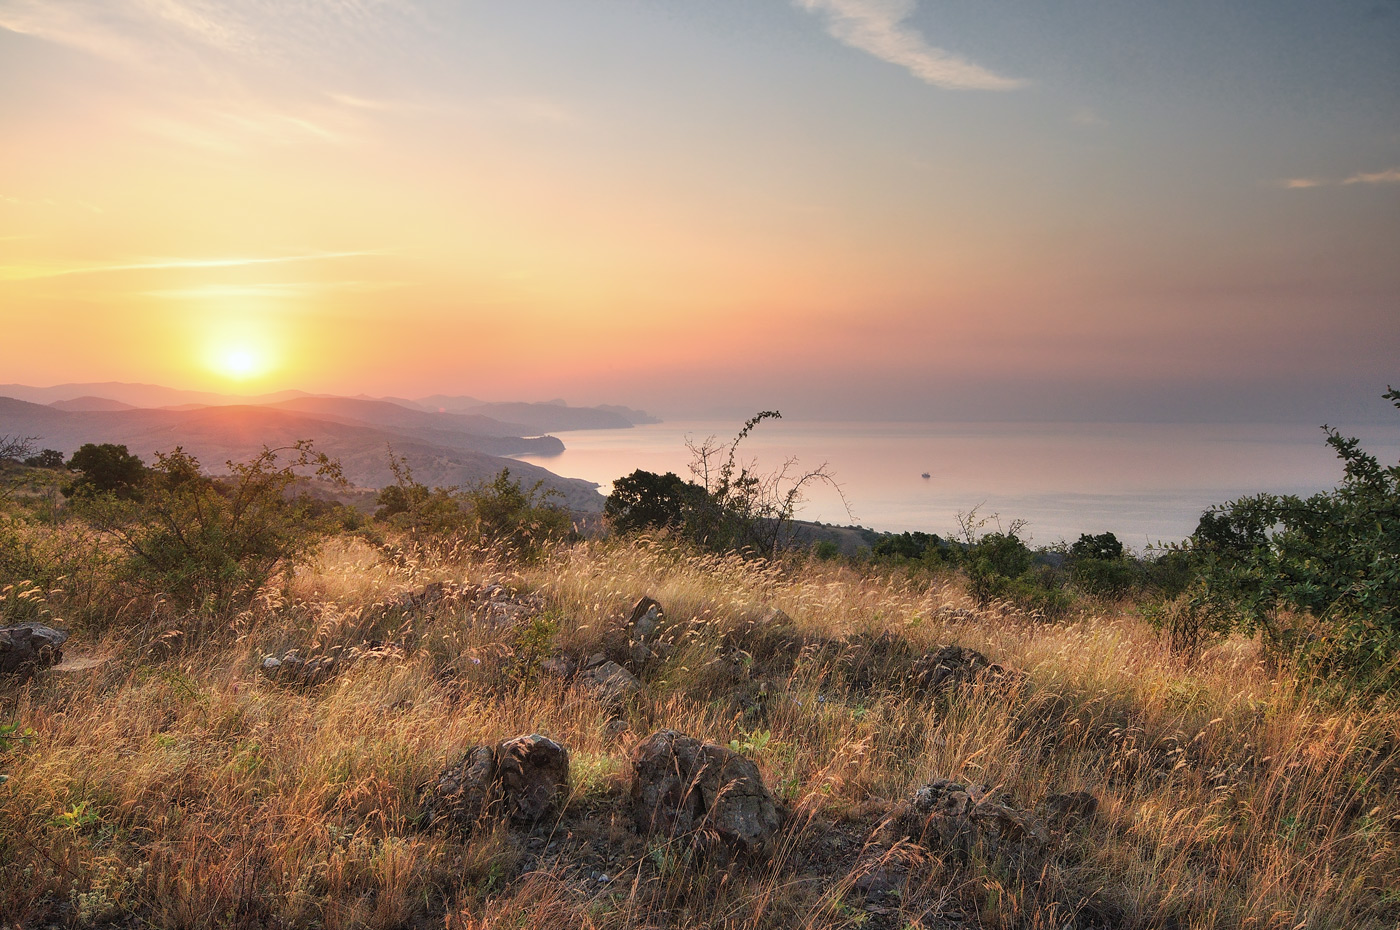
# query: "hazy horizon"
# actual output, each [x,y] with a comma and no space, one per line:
[839,208]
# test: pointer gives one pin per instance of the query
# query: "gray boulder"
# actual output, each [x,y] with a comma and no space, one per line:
[948,816]
[30,647]
[465,793]
[684,787]
[533,772]
[610,681]
[523,778]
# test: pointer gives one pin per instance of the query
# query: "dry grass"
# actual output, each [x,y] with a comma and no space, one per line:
[174,787]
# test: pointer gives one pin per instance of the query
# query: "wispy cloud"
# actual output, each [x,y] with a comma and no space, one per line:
[1085,116]
[283,290]
[1388,176]
[30,272]
[133,30]
[879,27]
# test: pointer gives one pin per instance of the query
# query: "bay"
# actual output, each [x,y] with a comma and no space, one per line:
[1145,482]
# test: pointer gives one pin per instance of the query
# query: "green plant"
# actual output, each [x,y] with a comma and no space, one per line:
[213,542]
[105,468]
[505,513]
[1332,558]
[534,641]
[644,500]
[745,508]
[410,505]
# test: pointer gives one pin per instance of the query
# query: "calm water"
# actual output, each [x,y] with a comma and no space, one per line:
[1144,482]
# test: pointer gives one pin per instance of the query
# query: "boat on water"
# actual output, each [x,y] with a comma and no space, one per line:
[926,474]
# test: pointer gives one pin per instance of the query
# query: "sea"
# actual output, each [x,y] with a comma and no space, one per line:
[1147,483]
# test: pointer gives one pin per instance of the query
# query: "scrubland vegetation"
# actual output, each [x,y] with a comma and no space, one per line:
[1242,744]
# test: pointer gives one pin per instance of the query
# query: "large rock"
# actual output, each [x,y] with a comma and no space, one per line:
[644,632]
[951,667]
[684,787]
[30,647]
[523,778]
[292,670]
[948,816]
[465,793]
[610,681]
[533,772]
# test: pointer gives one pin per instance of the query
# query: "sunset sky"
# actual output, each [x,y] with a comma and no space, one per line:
[1112,209]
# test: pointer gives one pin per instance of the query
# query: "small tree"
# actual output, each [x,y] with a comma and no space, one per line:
[48,458]
[1098,565]
[644,500]
[16,448]
[523,519]
[105,468]
[212,543]
[743,507]
[426,513]
[1333,557]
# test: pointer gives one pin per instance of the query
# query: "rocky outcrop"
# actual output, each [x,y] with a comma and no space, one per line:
[533,772]
[952,667]
[684,787]
[294,671]
[30,647]
[465,793]
[492,605]
[644,640]
[950,817]
[522,778]
[610,681]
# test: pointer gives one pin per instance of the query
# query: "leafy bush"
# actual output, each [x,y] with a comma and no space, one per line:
[912,547]
[522,519]
[105,468]
[425,513]
[1333,558]
[731,506]
[645,500]
[47,458]
[1098,565]
[212,543]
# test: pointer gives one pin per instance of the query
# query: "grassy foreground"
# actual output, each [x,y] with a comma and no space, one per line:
[174,786]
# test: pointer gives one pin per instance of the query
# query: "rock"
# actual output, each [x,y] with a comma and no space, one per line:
[947,816]
[523,778]
[465,793]
[560,665]
[612,682]
[955,614]
[643,632]
[499,607]
[683,787]
[775,617]
[950,667]
[30,647]
[533,772]
[291,669]
[646,616]
[1075,805]
[429,595]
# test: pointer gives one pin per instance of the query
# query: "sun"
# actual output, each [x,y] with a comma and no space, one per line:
[240,362]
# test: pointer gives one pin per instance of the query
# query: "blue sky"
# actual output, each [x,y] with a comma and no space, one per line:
[841,207]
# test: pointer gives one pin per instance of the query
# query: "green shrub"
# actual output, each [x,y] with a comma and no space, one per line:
[105,469]
[434,514]
[645,500]
[504,513]
[208,542]
[1332,558]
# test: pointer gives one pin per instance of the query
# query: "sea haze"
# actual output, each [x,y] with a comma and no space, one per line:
[1144,482]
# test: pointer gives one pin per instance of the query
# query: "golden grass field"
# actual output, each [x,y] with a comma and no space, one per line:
[175,786]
